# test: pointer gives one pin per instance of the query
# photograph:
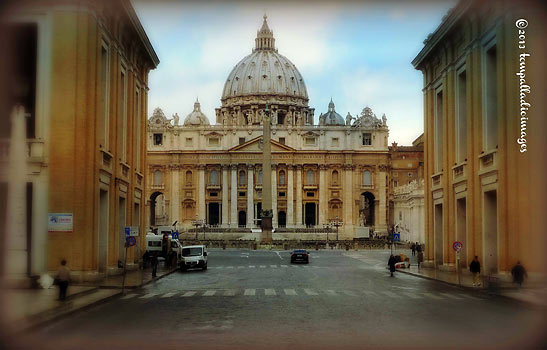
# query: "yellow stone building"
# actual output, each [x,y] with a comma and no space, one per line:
[484,186]
[80,69]
[338,170]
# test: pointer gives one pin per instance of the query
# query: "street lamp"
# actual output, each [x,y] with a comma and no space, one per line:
[197,223]
[336,223]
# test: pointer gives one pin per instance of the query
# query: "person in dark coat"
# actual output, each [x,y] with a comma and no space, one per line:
[63,278]
[154,263]
[420,258]
[518,272]
[418,247]
[391,262]
[475,268]
[413,247]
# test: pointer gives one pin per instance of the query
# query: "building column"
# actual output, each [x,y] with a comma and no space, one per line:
[250,196]
[290,188]
[225,196]
[298,196]
[274,195]
[233,200]
[201,192]
[382,200]
[348,200]
[175,194]
[323,191]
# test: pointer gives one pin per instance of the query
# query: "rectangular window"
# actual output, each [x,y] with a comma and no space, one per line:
[189,142]
[281,194]
[335,142]
[438,132]
[213,194]
[214,141]
[158,139]
[241,140]
[104,96]
[310,194]
[490,120]
[137,119]
[123,112]
[282,140]
[367,139]
[242,194]
[461,117]
[395,183]
[310,141]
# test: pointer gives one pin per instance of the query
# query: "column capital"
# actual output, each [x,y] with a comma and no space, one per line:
[322,167]
[290,167]
[250,166]
[349,167]
[274,166]
[233,166]
[299,167]
[201,166]
[224,166]
[383,167]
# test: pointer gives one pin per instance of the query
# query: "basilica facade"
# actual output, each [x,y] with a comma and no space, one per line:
[338,170]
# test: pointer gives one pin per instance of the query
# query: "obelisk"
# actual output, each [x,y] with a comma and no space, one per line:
[267,214]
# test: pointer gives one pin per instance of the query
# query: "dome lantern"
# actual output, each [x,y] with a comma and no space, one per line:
[264,37]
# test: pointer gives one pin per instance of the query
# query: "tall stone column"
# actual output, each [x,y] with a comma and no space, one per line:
[225,208]
[290,189]
[348,200]
[201,192]
[250,196]
[175,194]
[233,199]
[323,191]
[274,195]
[382,200]
[298,196]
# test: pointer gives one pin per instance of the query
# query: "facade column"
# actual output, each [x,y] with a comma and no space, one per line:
[274,195]
[382,200]
[323,191]
[201,192]
[348,200]
[250,196]
[225,195]
[175,194]
[298,196]
[233,199]
[290,204]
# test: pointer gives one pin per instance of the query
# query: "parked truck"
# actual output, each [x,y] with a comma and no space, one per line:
[160,243]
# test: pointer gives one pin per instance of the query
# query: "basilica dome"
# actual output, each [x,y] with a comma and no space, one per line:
[265,72]
[196,118]
[331,117]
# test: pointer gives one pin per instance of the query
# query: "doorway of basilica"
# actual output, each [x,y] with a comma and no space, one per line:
[213,214]
[366,209]
[310,214]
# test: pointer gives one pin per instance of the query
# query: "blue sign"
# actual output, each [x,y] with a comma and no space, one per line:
[396,237]
[127,231]
[131,241]
[175,235]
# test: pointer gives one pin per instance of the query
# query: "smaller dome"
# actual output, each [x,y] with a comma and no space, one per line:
[331,117]
[196,118]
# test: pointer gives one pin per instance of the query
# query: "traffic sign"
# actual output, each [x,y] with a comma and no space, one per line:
[396,237]
[131,241]
[131,231]
[127,231]
[175,235]
[457,246]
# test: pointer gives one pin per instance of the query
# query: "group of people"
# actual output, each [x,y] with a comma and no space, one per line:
[518,272]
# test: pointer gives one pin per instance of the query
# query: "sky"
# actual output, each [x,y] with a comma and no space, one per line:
[357,53]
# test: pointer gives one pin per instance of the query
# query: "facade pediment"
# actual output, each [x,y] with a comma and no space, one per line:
[255,145]
[212,134]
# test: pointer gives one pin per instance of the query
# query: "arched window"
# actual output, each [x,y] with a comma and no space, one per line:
[157,177]
[259,180]
[189,177]
[335,177]
[282,177]
[367,181]
[213,177]
[310,177]
[242,177]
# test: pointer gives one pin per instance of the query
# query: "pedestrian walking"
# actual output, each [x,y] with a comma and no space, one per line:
[63,278]
[519,272]
[391,262]
[420,258]
[418,247]
[475,268]
[413,247]
[154,263]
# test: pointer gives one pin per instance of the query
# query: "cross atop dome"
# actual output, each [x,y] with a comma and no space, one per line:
[264,37]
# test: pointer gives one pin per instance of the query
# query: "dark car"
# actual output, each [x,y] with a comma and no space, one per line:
[300,255]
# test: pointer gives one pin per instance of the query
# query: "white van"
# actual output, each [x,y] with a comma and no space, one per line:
[194,256]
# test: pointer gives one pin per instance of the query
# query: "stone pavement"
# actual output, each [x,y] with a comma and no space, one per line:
[23,309]
[534,292]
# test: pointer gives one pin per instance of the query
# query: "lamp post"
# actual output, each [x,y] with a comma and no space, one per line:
[197,223]
[337,224]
